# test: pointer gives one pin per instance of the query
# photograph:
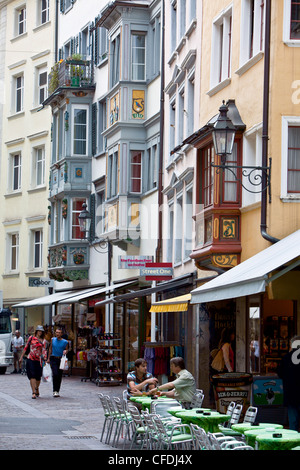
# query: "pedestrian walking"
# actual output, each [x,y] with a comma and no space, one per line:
[18,345]
[35,348]
[58,347]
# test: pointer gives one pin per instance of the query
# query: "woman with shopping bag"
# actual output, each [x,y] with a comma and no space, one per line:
[58,349]
[35,348]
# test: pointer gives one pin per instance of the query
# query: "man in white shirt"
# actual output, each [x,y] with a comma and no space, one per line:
[18,345]
[183,388]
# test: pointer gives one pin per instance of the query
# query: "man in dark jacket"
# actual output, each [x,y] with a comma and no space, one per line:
[289,371]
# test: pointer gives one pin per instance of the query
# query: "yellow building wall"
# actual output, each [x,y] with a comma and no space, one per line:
[247,90]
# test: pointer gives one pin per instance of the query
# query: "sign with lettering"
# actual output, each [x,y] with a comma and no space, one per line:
[157,271]
[133,262]
[40,282]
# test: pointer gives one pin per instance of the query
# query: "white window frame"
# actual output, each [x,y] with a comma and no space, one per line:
[103,44]
[221,48]
[112,173]
[38,162]
[75,212]
[178,229]
[137,65]
[85,45]
[43,12]
[170,235]
[33,245]
[258,32]
[173,30]
[40,71]
[252,156]
[287,25]
[172,116]
[115,59]
[188,223]
[12,167]
[18,93]
[20,22]
[10,248]
[286,122]
[86,108]
[136,165]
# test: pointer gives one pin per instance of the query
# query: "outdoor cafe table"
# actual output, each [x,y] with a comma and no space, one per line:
[267,441]
[146,401]
[209,422]
[242,427]
[251,434]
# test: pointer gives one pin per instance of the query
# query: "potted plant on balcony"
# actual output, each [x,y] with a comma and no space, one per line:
[76,68]
[53,78]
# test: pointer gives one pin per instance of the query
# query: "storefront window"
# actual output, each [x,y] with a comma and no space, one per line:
[254,336]
[132,336]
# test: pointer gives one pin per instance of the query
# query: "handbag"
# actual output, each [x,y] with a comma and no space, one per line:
[47,373]
[218,362]
[64,363]
[27,351]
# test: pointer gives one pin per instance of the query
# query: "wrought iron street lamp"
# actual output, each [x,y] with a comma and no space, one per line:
[223,134]
[85,220]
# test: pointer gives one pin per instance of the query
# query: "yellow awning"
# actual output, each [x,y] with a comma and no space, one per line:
[176,304]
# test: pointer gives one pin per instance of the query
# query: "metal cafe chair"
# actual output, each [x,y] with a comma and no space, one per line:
[160,407]
[109,417]
[170,438]
[250,415]
[197,400]
[140,430]
[235,445]
[152,435]
[201,440]
[115,418]
[124,421]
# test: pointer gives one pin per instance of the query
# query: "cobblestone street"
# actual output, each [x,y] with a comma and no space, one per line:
[71,422]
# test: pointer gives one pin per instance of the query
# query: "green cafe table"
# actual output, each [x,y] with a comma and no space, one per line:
[251,434]
[145,401]
[242,427]
[209,422]
[288,441]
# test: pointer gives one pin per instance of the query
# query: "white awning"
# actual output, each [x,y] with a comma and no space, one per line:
[69,297]
[77,297]
[252,276]
[46,300]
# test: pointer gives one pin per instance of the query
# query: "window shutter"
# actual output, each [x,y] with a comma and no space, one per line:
[94,128]
[96,44]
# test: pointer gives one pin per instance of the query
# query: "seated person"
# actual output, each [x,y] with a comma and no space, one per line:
[183,388]
[140,381]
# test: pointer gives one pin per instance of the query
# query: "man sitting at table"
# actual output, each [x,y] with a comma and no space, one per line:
[183,388]
[140,381]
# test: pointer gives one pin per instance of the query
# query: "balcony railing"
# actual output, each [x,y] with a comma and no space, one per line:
[70,73]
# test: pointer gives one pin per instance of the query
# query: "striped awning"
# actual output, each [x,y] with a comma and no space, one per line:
[176,304]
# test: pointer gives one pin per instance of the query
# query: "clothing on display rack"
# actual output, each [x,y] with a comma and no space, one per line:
[158,358]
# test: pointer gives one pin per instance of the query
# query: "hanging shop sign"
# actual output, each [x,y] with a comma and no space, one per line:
[40,282]
[157,271]
[134,262]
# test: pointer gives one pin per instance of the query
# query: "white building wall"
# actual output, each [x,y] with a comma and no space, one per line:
[24,210]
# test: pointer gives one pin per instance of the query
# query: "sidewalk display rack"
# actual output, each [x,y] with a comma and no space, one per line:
[109,360]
